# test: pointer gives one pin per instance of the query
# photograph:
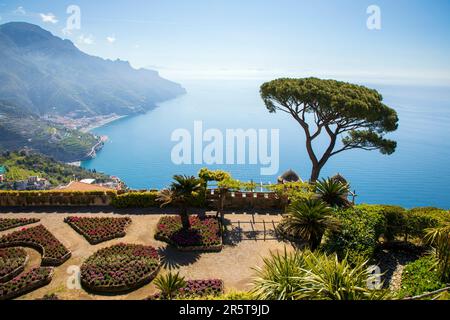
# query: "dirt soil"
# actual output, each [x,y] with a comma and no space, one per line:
[234,264]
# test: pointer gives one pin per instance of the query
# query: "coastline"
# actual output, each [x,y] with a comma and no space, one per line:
[101,123]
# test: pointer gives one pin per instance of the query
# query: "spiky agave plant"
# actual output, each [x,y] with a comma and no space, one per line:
[333,192]
[439,239]
[314,276]
[329,278]
[308,220]
[280,277]
[169,285]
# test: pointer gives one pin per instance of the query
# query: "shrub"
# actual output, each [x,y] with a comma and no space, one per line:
[32,280]
[204,234]
[442,216]
[439,239]
[97,230]
[54,253]
[313,276]
[358,234]
[136,200]
[120,268]
[411,224]
[420,276]
[10,223]
[12,263]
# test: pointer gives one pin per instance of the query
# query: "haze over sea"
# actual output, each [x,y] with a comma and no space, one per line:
[139,147]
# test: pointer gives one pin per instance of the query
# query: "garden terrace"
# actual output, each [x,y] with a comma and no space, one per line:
[120,268]
[12,263]
[24,283]
[97,230]
[11,223]
[54,253]
[204,235]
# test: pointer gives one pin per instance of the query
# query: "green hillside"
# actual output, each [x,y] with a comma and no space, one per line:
[21,165]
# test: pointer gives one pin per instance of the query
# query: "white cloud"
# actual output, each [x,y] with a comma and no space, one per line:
[86,39]
[111,39]
[20,11]
[48,18]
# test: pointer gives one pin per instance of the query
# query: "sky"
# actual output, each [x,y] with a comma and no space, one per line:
[258,39]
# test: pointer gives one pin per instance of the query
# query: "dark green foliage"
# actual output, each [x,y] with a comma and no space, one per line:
[357,237]
[22,165]
[420,276]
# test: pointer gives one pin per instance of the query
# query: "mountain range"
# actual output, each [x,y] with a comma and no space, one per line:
[44,74]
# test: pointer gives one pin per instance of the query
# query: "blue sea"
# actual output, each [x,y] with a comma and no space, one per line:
[417,174]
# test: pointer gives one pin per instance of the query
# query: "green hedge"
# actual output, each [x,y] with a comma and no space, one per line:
[357,237]
[136,200]
[55,198]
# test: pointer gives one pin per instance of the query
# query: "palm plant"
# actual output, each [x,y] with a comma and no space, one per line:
[181,193]
[170,284]
[333,192]
[328,278]
[308,220]
[439,238]
[280,277]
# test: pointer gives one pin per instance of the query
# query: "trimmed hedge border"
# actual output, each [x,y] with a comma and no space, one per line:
[33,286]
[89,238]
[45,261]
[56,198]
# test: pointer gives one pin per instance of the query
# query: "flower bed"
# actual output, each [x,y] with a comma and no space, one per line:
[196,289]
[53,252]
[12,263]
[204,234]
[10,223]
[97,230]
[30,281]
[120,268]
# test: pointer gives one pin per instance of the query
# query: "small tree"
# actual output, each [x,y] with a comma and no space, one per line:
[354,113]
[181,193]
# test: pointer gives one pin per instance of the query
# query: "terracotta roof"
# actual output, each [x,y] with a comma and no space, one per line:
[80,186]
